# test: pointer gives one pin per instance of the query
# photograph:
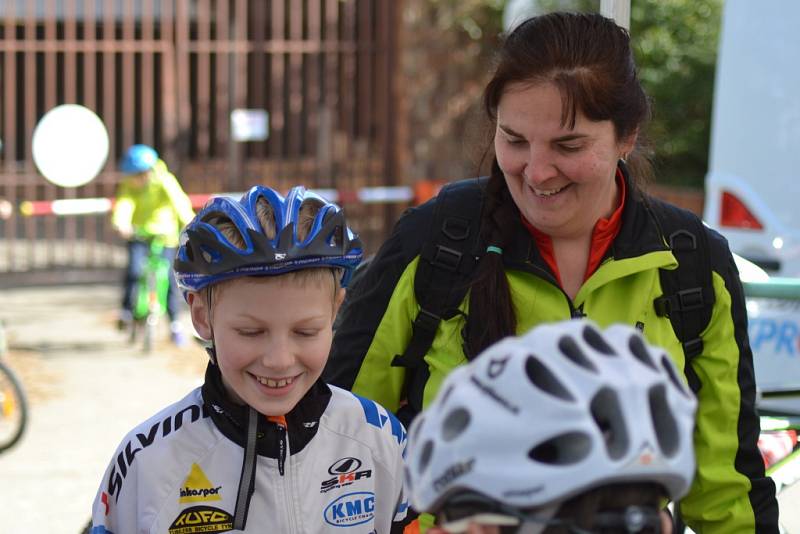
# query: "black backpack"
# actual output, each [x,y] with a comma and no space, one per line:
[450,254]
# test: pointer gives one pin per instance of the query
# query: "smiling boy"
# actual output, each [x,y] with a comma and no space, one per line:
[264,445]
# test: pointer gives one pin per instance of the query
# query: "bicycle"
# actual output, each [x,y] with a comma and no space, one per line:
[150,301]
[13,403]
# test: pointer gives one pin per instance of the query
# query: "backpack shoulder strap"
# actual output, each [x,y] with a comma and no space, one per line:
[688,297]
[448,258]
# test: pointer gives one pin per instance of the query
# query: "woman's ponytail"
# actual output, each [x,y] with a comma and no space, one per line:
[491,311]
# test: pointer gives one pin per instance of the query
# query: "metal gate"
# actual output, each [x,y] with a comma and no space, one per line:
[169,73]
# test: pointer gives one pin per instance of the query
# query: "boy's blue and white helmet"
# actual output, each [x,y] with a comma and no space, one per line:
[206,256]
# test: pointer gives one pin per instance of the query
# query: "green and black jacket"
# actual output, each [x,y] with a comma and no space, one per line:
[730,494]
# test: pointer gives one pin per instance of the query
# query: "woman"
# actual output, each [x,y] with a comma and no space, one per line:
[565,231]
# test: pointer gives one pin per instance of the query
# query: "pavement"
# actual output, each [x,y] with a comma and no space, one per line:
[87,387]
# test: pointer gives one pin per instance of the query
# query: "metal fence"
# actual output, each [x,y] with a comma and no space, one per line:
[169,73]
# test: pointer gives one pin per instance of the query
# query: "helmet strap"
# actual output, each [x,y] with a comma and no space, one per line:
[211,349]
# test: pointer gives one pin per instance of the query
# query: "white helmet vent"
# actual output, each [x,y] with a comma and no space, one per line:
[669,367]
[425,456]
[455,423]
[664,424]
[640,352]
[541,377]
[413,433]
[565,449]
[573,352]
[596,341]
[445,396]
[607,414]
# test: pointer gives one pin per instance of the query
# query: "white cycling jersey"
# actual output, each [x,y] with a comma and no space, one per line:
[336,466]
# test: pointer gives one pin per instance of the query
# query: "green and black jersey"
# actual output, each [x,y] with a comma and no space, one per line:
[730,494]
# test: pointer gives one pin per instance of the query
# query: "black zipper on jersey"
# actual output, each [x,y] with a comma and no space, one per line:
[281,448]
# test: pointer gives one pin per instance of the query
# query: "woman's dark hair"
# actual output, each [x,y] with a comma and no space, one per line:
[590,59]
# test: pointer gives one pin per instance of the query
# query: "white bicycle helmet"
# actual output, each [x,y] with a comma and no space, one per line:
[538,419]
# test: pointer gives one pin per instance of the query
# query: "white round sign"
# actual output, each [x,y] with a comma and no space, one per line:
[70,145]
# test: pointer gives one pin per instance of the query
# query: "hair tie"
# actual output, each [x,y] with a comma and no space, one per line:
[496,250]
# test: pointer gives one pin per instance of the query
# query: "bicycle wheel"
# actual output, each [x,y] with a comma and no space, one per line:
[150,331]
[13,409]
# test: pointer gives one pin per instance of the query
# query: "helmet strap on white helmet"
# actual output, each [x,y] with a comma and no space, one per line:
[460,510]
[630,519]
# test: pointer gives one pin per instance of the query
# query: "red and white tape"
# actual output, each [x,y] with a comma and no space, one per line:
[88,206]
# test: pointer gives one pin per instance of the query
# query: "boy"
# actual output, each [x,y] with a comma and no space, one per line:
[264,445]
[567,429]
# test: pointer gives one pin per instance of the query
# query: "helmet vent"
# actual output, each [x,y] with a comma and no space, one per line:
[455,423]
[425,456]
[573,352]
[596,341]
[335,238]
[305,217]
[607,415]
[541,377]
[417,427]
[266,217]
[226,227]
[640,352]
[664,423]
[669,367]
[446,395]
[209,255]
[565,449]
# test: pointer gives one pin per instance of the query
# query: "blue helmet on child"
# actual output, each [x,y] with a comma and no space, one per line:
[138,158]
[207,256]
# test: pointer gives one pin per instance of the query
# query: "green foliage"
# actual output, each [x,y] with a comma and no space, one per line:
[675,43]
[449,58]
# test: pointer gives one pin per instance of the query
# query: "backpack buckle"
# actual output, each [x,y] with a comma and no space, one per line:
[456,229]
[690,299]
[682,301]
[675,245]
[692,348]
[446,258]
[427,321]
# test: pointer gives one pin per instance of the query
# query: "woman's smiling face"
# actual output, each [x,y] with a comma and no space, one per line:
[562,179]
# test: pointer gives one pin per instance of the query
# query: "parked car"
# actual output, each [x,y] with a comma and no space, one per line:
[774,330]
[753,182]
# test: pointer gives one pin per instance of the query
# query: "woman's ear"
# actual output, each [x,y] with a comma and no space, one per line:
[198,309]
[627,144]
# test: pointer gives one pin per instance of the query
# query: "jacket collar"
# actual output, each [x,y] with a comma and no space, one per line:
[231,418]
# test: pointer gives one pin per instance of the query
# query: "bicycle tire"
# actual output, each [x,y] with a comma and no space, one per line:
[150,327]
[13,408]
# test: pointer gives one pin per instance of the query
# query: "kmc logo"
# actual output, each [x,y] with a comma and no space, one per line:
[352,509]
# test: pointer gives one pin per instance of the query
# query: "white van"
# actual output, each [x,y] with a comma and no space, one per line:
[753,183]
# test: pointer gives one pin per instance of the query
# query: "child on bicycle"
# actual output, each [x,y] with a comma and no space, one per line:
[264,445]
[150,204]
[567,429]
